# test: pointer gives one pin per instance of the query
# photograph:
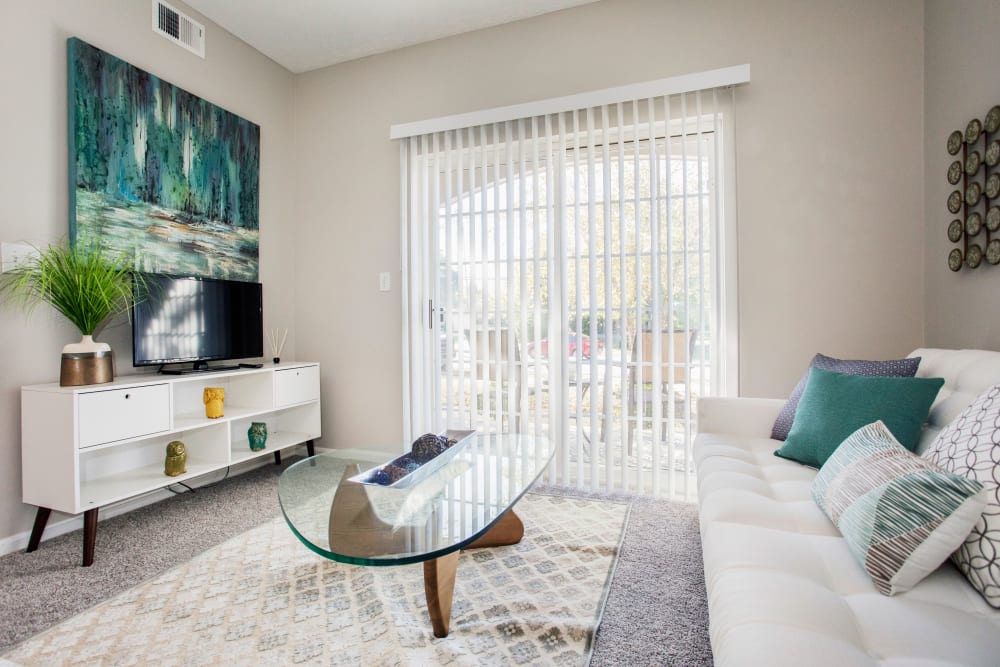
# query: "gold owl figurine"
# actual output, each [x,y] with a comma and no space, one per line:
[213,398]
[176,461]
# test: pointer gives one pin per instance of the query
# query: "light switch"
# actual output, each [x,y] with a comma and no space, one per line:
[384,281]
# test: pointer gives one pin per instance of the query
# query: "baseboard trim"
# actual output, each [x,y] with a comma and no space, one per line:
[19,541]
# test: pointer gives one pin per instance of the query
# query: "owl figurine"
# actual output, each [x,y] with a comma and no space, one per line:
[176,461]
[213,398]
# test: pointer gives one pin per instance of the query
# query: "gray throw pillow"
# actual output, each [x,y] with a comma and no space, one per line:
[902,368]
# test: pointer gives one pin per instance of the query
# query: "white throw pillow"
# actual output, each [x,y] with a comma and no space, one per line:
[901,515]
[970,446]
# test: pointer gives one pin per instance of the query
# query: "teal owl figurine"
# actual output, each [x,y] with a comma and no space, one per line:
[257,435]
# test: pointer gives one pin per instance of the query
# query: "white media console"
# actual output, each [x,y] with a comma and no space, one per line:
[89,446]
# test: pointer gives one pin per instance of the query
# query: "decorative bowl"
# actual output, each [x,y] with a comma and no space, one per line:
[422,472]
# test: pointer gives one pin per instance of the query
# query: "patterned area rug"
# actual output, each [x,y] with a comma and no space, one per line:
[262,598]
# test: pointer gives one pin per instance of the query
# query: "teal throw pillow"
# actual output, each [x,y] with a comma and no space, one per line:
[901,515]
[833,406]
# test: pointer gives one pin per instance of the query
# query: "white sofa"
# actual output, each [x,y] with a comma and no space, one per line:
[783,587]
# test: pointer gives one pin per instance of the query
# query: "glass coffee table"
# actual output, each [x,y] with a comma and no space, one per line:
[466,503]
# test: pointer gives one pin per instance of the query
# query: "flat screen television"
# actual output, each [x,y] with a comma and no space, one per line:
[183,319]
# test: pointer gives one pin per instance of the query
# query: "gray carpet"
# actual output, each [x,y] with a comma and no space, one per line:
[656,612]
[43,588]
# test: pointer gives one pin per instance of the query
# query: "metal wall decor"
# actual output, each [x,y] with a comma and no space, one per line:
[975,174]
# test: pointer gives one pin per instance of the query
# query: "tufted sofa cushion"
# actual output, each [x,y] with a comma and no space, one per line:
[967,374]
[783,586]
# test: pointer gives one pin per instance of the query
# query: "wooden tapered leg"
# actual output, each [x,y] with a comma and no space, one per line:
[439,574]
[89,536]
[310,448]
[508,530]
[277,458]
[41,518]
[439,588]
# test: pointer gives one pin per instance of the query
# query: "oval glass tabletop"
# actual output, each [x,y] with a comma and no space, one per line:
[368,524]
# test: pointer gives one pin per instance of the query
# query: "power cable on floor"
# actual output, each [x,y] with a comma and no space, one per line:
[194,489]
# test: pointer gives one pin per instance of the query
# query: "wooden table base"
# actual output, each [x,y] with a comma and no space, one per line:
[439,573]
[507,530]
[439,588]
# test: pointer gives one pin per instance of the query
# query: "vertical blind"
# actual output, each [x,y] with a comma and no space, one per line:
[570,275]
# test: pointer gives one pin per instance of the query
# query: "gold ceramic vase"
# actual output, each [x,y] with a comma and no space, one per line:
[86,362]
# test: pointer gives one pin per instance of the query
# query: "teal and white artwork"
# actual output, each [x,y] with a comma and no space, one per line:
[160,173]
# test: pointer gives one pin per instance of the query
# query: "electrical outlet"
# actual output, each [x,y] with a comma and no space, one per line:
[12,254]
[384,281]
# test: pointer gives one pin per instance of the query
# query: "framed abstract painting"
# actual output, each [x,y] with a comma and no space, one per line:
[159,173]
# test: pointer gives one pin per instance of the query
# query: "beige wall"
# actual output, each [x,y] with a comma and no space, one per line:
[830,175]
[33,186]
[829,149]
[961,83]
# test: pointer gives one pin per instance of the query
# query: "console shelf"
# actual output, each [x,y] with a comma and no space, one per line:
[241,451]
[86,447]
[129,484]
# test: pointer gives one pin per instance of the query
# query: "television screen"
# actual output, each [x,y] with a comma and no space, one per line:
[197,319]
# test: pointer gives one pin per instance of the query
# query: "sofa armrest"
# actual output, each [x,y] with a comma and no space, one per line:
[740,416]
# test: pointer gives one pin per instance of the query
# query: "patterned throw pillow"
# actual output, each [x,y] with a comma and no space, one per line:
[970,446]
[903,368]
[901,515]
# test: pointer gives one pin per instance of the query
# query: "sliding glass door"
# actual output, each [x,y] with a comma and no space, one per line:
[572,268]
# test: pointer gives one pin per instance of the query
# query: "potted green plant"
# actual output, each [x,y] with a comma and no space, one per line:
[86,285]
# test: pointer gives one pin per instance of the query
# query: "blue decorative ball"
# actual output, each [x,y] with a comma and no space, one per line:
[380,476]
[407,462]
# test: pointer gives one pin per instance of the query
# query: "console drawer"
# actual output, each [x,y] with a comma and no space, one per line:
[119,414]
[296,385]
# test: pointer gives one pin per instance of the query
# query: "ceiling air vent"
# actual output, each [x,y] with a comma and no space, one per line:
[178,28]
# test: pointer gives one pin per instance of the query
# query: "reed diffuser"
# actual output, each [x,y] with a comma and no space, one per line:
[276,339]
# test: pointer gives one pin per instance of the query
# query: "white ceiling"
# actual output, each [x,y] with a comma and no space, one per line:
[303,35]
